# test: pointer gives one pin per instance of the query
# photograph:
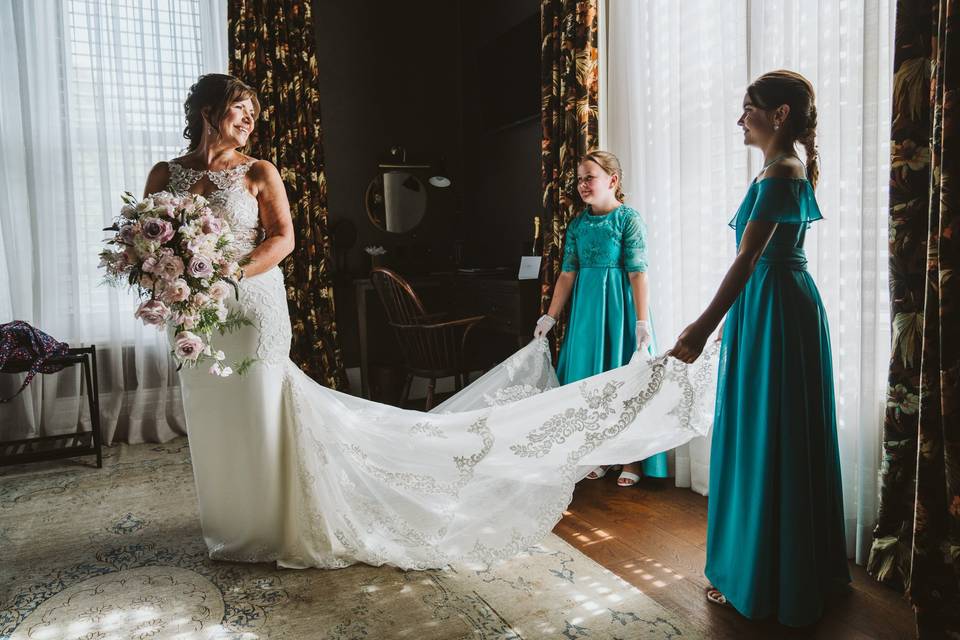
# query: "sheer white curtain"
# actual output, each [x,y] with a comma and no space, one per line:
[92,97]
[675,79]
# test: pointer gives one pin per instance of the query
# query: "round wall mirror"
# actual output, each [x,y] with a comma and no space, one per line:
[396,201]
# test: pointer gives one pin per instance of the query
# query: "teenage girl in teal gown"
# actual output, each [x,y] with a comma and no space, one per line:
[775,532]
[604,266]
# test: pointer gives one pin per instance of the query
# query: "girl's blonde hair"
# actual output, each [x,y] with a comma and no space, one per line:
[611,166]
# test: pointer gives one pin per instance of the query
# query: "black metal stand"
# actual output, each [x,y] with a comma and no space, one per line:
[83,442]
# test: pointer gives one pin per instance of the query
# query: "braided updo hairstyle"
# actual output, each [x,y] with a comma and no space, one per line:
[775,88]
[611,166]
[213,93]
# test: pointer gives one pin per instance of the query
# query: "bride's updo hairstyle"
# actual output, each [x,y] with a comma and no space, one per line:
[213,94]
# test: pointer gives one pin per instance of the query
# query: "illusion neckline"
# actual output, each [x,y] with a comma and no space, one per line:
[227,170]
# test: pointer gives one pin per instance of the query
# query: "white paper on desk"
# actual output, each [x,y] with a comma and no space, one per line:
[529,268]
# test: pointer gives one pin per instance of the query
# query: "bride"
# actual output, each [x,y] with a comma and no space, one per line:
[292,472]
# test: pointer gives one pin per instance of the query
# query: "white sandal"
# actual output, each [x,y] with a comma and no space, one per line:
[714,596]
[597,473]
[631,478]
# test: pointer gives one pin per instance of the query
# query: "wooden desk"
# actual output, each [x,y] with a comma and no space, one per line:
[511,308]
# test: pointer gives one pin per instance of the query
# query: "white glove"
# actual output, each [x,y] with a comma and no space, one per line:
[644,337]
[544,324]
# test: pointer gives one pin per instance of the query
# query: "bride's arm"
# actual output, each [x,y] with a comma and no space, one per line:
[158,179]
[274,218]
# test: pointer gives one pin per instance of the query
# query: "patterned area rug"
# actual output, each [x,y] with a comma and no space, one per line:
[88,554]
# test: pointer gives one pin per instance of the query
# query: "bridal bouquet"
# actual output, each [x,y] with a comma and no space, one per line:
[177,255]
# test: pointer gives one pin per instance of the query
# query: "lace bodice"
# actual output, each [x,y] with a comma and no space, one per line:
[615,240]
[230,200]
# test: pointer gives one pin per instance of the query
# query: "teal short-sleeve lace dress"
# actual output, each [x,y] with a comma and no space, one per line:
[603,250]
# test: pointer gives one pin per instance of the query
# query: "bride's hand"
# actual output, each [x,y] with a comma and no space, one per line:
[690,343]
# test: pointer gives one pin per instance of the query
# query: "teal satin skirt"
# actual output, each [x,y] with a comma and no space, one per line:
[775,531]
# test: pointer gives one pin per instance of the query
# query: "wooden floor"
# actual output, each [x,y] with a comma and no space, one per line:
[654,535]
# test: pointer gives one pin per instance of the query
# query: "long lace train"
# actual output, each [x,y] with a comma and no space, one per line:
[293,472]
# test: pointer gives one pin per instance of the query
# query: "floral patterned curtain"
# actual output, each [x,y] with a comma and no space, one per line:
[273,51]
[569,76]
[917,538]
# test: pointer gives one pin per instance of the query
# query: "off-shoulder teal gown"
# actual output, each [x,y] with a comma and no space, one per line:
[603,250]
[775,530]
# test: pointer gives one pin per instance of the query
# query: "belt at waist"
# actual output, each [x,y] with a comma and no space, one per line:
[790,257]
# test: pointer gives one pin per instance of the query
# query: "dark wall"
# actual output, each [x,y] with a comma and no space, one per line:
[502,179]
[403,73]
[389,74]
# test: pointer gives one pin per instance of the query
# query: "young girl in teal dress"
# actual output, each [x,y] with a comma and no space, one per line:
[775,532]
[604,266]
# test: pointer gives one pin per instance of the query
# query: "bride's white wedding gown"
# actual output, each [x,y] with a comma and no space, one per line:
[292,472]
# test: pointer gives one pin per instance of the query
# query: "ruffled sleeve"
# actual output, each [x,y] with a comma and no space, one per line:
[780,200]
[634,242]
[571,262]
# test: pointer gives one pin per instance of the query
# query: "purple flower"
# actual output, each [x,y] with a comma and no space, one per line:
[187,345]
[157,230]
[200,267]
[152,312]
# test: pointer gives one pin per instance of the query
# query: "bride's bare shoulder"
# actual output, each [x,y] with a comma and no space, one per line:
[158,178]
[260,170]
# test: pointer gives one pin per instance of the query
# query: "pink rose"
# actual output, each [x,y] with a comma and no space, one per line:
[199,300]
[200,267]
[163,199]
[128,233]
[147,281]
[187,320]
[150,264]
[201,244]
[157,230]
[187,345]
[211,224]
[171,267]
[152,312]
[219,290]
[176,291]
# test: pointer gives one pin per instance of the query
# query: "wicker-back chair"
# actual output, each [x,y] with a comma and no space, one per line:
[432,346]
